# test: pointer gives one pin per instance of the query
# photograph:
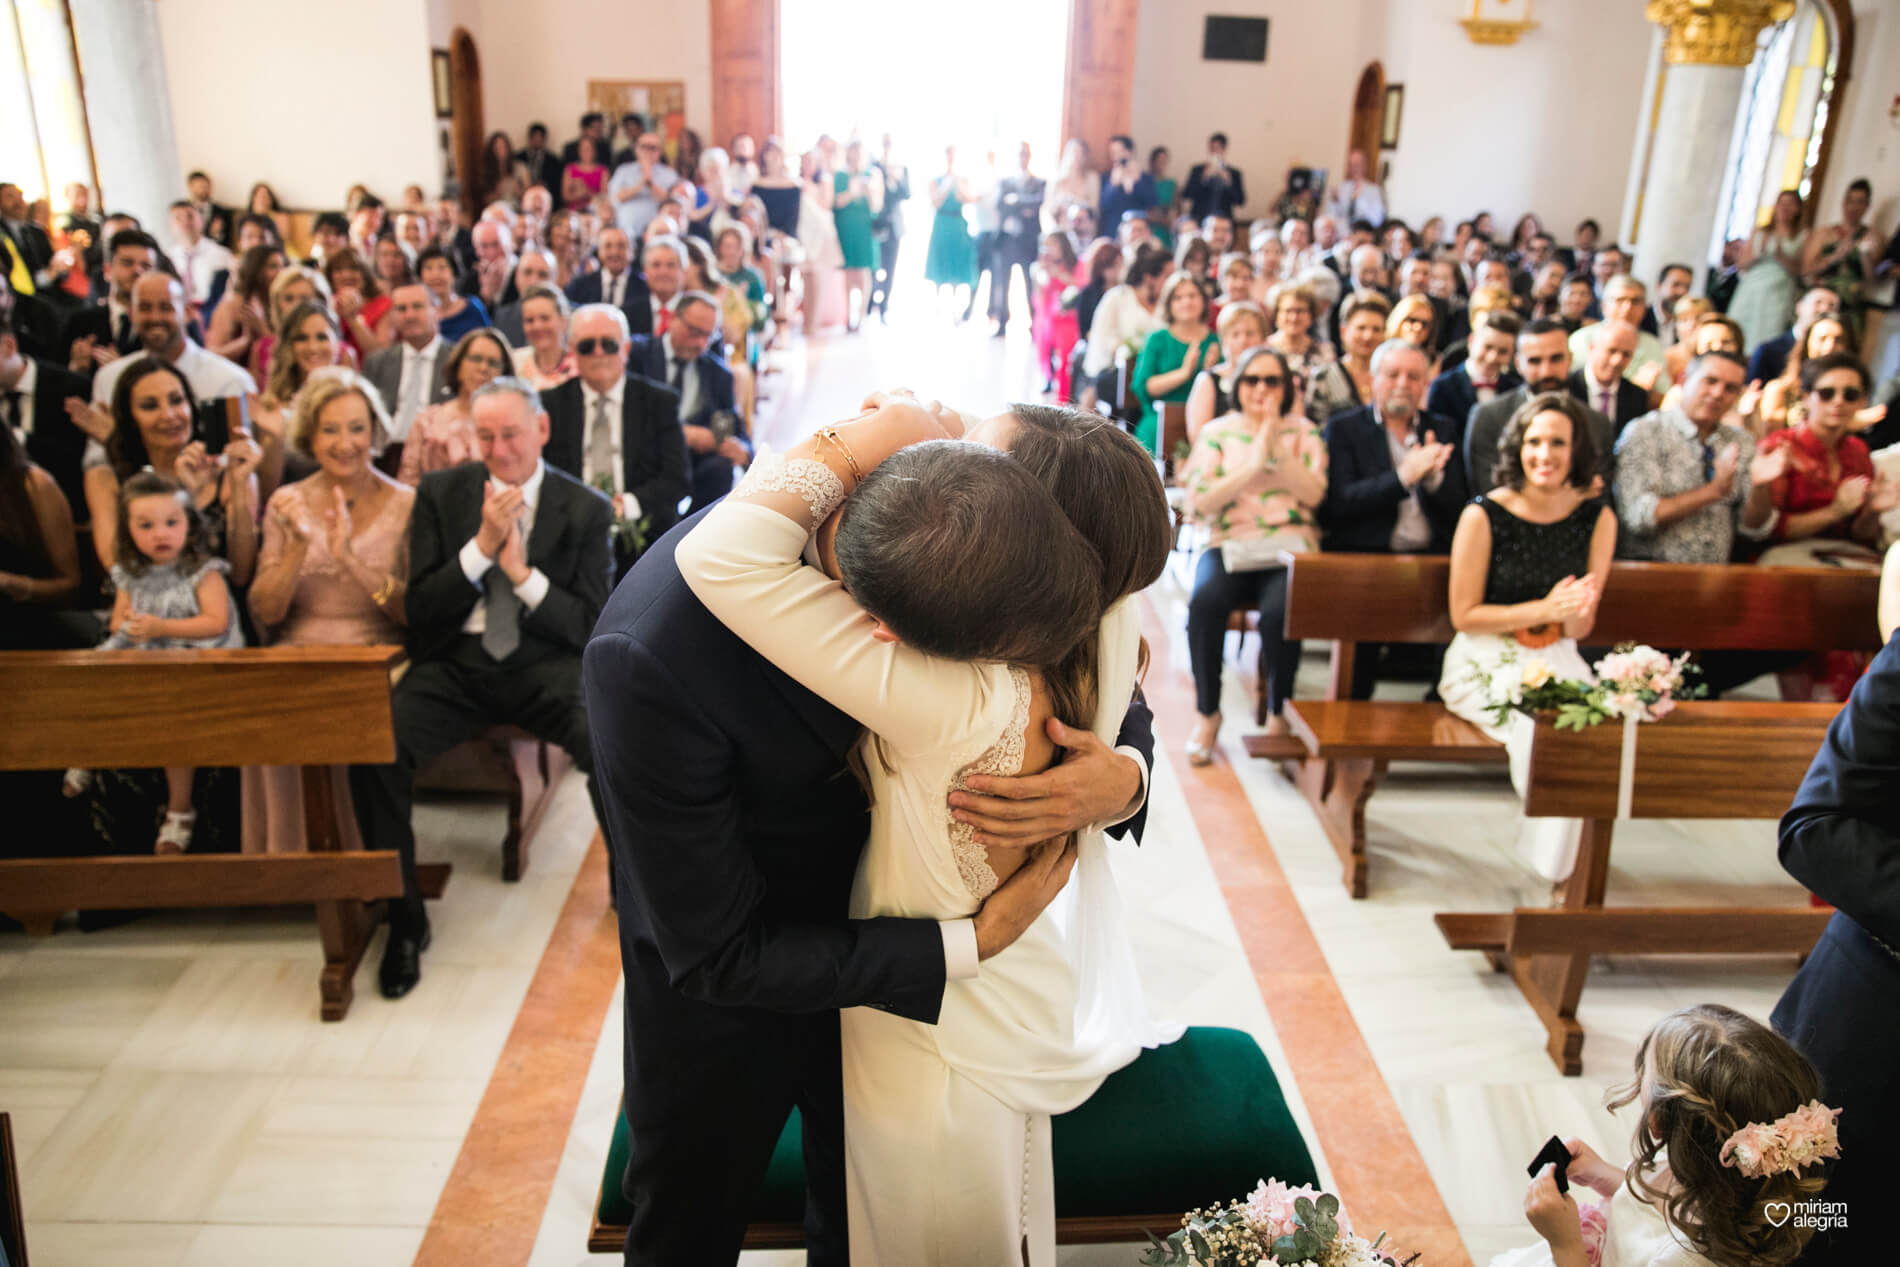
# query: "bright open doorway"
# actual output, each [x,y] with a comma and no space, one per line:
[983,75]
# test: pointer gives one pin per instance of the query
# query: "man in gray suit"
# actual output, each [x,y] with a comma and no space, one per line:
[1543,362]
[411,372]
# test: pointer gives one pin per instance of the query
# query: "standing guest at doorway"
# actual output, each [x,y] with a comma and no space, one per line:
[498,168]
[543,166]
[1125,186]
[855,202]
[887,224]
[637,188]
[1357,197]
[632,127]
[1019,207]
[1165,186]
[951,259]
[744,154]
[1213,188]
[593,126]
[985,187]
[1075,186]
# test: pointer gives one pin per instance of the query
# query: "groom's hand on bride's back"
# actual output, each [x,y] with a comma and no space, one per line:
[1007,913]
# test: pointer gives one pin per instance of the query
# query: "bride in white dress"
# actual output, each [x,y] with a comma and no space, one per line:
[953,646]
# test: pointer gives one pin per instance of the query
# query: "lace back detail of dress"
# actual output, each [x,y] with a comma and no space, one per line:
[1005,757]
[822,491]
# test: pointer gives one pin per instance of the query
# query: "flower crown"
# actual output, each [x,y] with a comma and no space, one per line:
[1789,1143]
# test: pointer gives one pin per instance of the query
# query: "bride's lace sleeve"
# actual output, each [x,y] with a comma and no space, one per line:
[743,563]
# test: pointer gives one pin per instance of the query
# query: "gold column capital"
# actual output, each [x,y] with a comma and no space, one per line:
[1714,32]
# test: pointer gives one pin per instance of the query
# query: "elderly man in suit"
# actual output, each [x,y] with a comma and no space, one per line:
[1543,364]
[1393,485]
[616,282]
[1483,376]
[509,567]
[716,439]
[618,432]
[412,372]
[1841,838]
[1599,382]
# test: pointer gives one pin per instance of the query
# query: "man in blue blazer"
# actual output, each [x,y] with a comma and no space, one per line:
[682,359]
[1841,839]
[1394,485]
[1483,376]
[735,829]
[615,282]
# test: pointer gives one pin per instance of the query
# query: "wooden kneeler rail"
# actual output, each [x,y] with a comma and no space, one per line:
[1731,760]
[312,707]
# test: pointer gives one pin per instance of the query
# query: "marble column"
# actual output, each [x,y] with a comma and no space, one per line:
[1708,45]
[129,110]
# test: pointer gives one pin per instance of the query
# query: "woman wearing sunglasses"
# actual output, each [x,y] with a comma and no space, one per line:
[1828,488]
[1256,478]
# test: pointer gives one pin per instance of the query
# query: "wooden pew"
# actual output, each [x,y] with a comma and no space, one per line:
[1716,759]
[1346,598]
[313,707]
[509,762]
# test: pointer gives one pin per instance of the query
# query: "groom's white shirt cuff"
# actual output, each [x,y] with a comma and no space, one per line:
[1141,797]
[959,949]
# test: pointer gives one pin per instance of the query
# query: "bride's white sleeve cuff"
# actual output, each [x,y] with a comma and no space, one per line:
[1141,797]
[959,949]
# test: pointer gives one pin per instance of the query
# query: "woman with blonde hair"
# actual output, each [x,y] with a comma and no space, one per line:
[1076,186]
[333,572]
[547,361]
[1242,326]
[1347,382]
[293,285]
[1295,310]
[1416,321]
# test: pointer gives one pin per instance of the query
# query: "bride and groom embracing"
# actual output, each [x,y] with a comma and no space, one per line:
[904,615]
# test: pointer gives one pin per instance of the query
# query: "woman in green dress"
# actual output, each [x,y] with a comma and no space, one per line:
[1165,187]
[951,259]
[853,195]
[1173,355]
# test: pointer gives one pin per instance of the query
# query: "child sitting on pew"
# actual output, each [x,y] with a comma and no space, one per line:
[172,595]
[1729,1146]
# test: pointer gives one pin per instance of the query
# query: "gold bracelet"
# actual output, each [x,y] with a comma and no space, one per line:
[837,442]
[385,591]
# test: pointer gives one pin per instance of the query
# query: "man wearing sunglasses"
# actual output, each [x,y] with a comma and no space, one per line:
[683,358]
[617,432]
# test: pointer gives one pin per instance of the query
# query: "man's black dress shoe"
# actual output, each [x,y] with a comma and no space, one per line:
[402,958]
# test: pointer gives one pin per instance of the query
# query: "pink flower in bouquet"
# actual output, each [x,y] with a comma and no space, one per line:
[1662,708]
[1596,1222]
[1270,1210]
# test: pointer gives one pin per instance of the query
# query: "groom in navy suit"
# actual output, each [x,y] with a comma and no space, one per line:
[735,829]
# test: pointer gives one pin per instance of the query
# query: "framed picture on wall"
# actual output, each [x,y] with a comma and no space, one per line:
[1394,112]
[439,75]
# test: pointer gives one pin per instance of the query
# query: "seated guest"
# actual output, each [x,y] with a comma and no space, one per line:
[615,431]
[1601,383]
[158,309]
[353,289]
[1547,286]
[238,320]
[395,265]
[456,313]
[1256,477]
[412,372]
[663,261]
[308,341]
[1543,366]
[1717,333]
[1457,345]
[509,566]
[332,573]
[1482,377]
[1769,360]
[33,407]
[1235,280]
[1242,326]
[1415,319]
[716,437]
[1345,384]
[196,256]
[615,282]
[294,284]
[1172,355]
[1392,487]
[1827,488]
[329,232]
[1684,317]
[99,332]
[444,433]
[1528,565]
[39,553]
[1126,316]
[1626,300]
[546,362]
[1575,301]
[155,424]
[1782,398]
[533,267]
[491,281]
[1101,272]
[1296,311]
[735,315]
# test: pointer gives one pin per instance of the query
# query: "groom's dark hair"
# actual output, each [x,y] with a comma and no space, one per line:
[963,554]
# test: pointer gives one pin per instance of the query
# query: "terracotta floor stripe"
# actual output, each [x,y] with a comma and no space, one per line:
[1375,1162]
[491,1208]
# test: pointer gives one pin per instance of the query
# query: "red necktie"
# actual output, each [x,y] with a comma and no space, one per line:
[666,321]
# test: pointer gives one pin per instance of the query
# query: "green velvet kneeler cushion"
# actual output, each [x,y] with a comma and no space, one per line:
[1188,1125]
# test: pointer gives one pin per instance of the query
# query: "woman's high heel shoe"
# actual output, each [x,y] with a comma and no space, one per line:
[1199,752]
[1199,755]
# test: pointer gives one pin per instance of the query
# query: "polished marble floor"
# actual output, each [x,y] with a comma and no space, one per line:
[175,1101]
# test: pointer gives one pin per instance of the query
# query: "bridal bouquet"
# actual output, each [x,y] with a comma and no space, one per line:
[1276,1226]
[1633,682]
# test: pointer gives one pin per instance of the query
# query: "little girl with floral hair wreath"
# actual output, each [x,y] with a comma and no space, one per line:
[1730,1141]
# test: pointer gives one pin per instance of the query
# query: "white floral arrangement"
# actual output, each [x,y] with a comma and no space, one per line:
[1634,683]
[1275,1226]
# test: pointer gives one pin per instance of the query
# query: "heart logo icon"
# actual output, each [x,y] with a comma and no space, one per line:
[1778,1212]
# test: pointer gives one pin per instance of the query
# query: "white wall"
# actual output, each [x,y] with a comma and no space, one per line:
[311,99]
[1294,109]
[128,108]
[537,59]
[1543,125]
